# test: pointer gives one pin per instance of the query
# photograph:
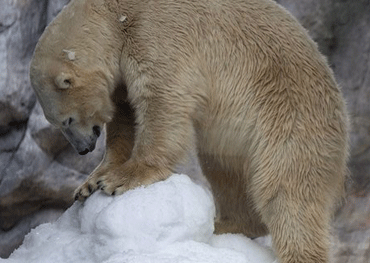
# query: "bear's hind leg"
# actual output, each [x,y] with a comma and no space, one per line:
[295,190]
[299,229]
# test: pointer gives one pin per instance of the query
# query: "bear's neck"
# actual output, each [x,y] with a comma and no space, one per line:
[121,16]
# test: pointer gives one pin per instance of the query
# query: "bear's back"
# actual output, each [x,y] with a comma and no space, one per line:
[249,65]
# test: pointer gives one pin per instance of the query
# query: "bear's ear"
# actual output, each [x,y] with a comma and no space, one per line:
[63,81]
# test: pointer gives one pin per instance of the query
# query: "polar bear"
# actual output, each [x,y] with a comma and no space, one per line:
[241,77]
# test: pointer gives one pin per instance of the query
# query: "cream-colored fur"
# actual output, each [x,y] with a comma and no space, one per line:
[241,76]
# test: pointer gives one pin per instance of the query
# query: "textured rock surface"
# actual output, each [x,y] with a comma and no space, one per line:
[351,229]
[39,170]
[19,31]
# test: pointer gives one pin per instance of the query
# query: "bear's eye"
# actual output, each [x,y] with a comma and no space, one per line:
[67,82]
[67,122]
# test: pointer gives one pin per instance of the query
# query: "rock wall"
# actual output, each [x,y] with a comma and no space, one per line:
[39,170]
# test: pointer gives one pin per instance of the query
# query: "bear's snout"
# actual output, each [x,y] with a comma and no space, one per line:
[82,143]
[90,148]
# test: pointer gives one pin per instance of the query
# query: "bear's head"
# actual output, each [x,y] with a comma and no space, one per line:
[72,72]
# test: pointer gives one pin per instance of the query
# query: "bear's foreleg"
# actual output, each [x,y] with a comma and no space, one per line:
[119,144]
[162,138]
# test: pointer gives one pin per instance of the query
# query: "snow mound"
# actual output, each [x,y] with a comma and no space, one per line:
[170,221]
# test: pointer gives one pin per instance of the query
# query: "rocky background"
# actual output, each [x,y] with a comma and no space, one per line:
[39,170]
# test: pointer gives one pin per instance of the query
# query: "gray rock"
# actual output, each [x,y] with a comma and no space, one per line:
[351,62]
[43,171]
[21,23]
[351,230]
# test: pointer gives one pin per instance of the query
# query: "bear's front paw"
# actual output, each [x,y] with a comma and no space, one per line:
[130,175]
[84,191]
[90,185]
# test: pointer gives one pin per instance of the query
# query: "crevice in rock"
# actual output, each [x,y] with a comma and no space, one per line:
[3,27]
[20,125]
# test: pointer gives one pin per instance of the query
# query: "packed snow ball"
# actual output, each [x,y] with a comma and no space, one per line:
[170,221]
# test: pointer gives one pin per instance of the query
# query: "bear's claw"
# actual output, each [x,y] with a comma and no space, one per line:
[79,196]
[84,191]
[89,187]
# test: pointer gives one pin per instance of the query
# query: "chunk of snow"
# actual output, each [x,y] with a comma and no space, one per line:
[70,54]
[170,221]
[122,19]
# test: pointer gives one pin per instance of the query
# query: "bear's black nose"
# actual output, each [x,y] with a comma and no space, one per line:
[84,152]
[96,130]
